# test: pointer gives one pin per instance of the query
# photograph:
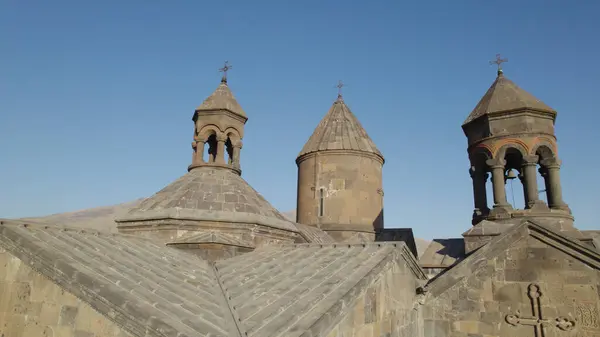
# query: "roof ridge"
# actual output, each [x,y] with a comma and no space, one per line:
[358,276]
[70,228]
[241,332]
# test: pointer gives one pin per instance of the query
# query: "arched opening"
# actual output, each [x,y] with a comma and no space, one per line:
[514,179]
[482,188]
[212,148]
[543,152]
[229,150]
[321,201]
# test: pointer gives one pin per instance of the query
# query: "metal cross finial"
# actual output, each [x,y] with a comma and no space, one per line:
[224,70]
[498,61]
[536,321]
[340,85]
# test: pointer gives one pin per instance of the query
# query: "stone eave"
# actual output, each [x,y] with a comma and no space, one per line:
[506,113]
[227,112]
[203,215]
[359,153]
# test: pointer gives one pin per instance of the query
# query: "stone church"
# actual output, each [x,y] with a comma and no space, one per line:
[208,256]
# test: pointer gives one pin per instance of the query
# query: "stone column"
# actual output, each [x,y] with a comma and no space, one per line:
[198,152]
[544,173]
[555,199]
[530,185]
[479,177]
[221,149]
[498,167]
[236,154]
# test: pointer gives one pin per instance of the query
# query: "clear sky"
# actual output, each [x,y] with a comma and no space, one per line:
[96,97]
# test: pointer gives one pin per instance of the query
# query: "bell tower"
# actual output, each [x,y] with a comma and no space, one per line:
[219,129]
[510,135]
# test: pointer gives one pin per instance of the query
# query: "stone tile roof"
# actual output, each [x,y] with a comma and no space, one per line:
[505,95]
[152,290]
[140,285]
[285,290]
[340,130]
[313,234]
[209,194]
[222,99]
[442,253]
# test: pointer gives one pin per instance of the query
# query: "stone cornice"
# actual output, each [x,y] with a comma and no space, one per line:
[237,170]
[365,154]
[225,112]
[130,219]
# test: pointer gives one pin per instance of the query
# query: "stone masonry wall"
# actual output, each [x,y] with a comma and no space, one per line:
[478,305]
[384,309]
[33,306]
[352,189]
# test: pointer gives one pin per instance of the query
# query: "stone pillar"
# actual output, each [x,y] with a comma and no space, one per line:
[498,166]
[544,173]
[221,139]
[479,177]
[555,199]
[532,198]
[198,152]
[236,154]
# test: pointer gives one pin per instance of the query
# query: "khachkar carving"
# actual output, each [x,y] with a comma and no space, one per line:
[587,316]
[537,321]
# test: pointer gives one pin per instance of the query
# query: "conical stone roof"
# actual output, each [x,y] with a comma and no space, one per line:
[505,95]
[222,99]
[340,130]
[209,194]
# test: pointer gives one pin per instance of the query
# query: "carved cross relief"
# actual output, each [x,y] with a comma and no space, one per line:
[537,321]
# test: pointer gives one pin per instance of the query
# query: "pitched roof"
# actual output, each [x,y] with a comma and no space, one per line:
[209,194]
[152,290]
[505,95]
[442,253]
[222,99]
[340,130]
[285,290]
[141,285]
[469,265]
[313,234]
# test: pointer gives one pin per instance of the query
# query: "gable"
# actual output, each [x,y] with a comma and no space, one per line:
[32,305]
[494,286]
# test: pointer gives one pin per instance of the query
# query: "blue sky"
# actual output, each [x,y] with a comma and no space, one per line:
[96,98]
